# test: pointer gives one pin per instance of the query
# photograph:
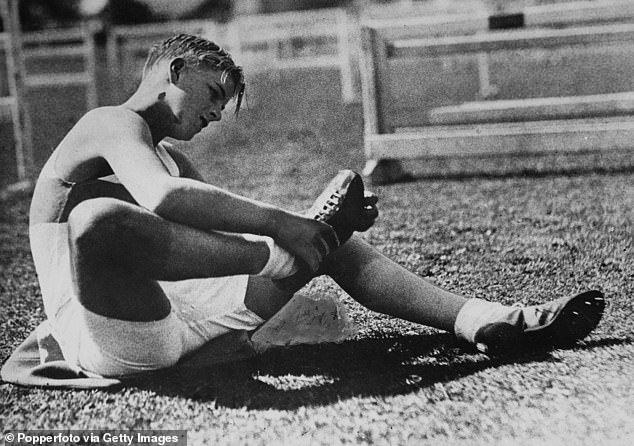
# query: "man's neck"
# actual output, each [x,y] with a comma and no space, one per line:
[148,105]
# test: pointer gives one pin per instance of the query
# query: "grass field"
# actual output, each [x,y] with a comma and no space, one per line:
[509,230]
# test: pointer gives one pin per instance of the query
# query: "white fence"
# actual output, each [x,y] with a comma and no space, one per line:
[261,42]
[128,47]
[415,21]
[294,40]
[60,58]
[580,72]
[12,106]
[37,60]
[303,39]
[330,37]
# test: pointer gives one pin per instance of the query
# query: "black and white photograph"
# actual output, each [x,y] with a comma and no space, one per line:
[317,222]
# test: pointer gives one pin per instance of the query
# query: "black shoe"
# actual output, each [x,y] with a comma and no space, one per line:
[341,205]
[556,324]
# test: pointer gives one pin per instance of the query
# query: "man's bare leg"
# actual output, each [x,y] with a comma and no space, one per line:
[119,251]
[382,285]
[376,282]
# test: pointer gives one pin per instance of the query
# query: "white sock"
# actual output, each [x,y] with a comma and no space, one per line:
[280,264]
[475,314]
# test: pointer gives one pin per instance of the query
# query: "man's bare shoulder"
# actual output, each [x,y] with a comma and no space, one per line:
[103,133]
[112,122]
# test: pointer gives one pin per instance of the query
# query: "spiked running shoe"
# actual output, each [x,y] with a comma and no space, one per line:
[342,205]
[556,324]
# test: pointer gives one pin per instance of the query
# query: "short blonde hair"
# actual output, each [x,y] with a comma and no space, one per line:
[196,51]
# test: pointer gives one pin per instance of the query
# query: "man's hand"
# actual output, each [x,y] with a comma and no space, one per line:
[307,239]
[370,211]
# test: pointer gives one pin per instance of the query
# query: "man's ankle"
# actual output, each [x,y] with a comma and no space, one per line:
[475,314]
[280,263]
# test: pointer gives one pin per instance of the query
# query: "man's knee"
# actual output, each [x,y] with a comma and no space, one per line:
[98,225]
[107,239]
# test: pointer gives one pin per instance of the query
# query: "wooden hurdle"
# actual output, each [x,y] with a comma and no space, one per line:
[259,42]
[41,48]
[418,20]
[420,123]
[405,9]
[270,41]
[13,106]
[474,19]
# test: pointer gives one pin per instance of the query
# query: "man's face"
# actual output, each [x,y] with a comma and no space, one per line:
[197,96]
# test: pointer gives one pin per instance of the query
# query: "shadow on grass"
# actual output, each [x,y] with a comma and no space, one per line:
[323,374]
[604,342]
[523,173]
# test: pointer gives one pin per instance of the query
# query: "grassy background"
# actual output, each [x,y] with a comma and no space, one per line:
[506,229]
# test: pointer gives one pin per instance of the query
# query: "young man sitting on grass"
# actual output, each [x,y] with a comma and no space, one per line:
[120,219]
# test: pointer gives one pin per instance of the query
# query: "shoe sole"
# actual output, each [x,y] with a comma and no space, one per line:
[579,315]
[347,183]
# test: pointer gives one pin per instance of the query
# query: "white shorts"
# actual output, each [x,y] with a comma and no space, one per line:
[202,309]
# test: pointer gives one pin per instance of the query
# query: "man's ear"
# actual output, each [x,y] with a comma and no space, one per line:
[176,67]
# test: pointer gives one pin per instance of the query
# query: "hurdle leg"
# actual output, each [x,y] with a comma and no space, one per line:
[385,171]
[17,105]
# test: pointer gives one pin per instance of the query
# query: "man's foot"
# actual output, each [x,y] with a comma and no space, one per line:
[346,207]
[556,324]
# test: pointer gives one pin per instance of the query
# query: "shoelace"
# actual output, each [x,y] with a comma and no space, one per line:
[538,309]
[542,314]
[534,314]
[330,208]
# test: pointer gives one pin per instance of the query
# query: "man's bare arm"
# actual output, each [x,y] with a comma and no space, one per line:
[185,166]
[197,204]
